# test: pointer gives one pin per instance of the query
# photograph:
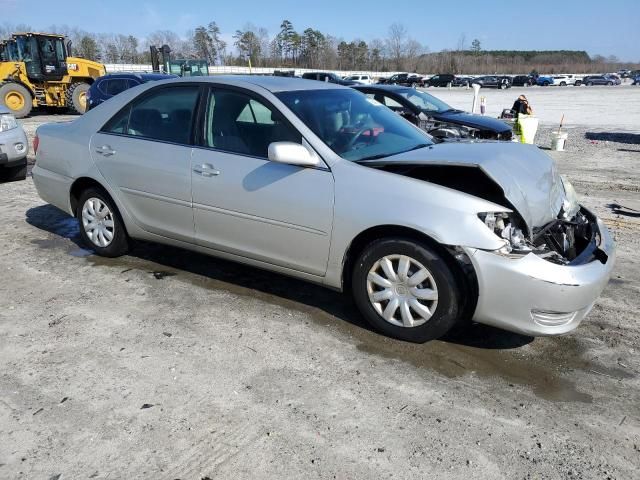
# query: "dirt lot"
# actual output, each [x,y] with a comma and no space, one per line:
[171,365]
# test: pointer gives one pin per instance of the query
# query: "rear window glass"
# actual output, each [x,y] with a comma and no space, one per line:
[165,114]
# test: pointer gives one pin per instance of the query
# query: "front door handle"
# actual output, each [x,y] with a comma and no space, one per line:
[106,151]
[206,170]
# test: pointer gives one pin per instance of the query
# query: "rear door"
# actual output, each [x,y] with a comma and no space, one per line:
[249,206]
[144,152]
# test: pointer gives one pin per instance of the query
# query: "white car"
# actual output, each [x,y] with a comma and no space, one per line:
[564,80]
[361,79]
[14,148]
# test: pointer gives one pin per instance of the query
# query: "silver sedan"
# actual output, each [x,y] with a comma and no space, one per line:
[317,181]
[14,148]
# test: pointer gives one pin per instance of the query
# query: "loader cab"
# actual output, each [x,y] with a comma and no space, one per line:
[187,68]
[44,56]
[8,51]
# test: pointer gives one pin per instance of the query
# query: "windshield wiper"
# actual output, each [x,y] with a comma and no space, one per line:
[382,155]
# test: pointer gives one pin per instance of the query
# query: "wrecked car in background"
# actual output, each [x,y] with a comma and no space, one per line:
[317,181]
[436,117]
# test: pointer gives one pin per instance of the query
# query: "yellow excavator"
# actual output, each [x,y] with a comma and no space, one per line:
[36,71]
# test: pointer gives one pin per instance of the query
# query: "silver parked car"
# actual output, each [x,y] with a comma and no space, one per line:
[14,148]
[317,181]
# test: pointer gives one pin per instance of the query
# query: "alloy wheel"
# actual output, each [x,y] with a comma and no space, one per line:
[402,291]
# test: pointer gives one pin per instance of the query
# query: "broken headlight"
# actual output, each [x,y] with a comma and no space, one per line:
[504,226]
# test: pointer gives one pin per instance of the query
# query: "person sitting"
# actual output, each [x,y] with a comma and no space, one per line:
[521,106]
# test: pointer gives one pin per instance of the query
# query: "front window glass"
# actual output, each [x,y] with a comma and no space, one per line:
[237,123]
[352,125]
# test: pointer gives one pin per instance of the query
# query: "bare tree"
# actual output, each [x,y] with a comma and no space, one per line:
[396,43]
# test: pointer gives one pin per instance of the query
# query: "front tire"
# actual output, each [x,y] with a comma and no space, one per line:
[405,290]
[76,98]
[101,226]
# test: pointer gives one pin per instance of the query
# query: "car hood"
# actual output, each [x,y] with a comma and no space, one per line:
[527,176]
[471,120]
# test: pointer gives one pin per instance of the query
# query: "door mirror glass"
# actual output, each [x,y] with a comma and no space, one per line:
[292,154]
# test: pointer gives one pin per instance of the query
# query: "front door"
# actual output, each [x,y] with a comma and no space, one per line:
[245,204]
[144,152]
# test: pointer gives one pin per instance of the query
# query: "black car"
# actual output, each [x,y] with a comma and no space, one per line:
[405,79]
[327,77]
[493,81]
[440,80]
[523,81]
[112,84]
[462,81]
[434,116]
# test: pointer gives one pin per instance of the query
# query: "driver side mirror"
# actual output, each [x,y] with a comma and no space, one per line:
[292,154]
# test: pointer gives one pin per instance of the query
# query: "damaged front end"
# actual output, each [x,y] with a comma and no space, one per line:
[564,241]
[449,131]
[556,256]
[558,229]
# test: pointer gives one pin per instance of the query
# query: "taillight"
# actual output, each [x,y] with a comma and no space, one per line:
[36,144]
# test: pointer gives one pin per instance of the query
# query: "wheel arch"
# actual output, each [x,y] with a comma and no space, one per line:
[80,185]
[456,259]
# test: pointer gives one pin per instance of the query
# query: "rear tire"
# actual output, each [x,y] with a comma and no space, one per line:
[101,226]
[415,312]
[76,98]
[16,98]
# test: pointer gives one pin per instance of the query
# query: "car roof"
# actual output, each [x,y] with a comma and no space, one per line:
[139,76]
[272,84]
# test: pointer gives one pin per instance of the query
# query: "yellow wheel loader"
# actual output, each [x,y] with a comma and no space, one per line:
[35,71]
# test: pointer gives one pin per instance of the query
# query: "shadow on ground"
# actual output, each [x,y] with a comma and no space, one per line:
[617,137]
[211,272]
[475,349]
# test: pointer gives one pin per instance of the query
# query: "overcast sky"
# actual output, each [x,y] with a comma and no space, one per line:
[600,27]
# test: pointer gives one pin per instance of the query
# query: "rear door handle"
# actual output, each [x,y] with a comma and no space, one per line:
[206,170]
[106,151]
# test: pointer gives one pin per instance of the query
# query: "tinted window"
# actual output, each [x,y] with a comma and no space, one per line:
[165,114]
[238,123]
[424,101]
[388,101]
[114,86]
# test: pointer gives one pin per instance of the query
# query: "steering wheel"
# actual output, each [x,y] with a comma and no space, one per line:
[357,136]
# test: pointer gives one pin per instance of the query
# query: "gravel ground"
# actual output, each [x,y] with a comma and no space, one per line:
[169,364]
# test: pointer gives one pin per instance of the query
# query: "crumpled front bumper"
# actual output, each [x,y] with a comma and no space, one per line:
[532,296]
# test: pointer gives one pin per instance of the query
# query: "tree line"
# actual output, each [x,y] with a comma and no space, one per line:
[311,48]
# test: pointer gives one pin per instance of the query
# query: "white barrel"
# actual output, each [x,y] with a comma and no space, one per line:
[558,141]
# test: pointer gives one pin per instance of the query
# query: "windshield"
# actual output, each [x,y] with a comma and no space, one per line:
[353,126]
[424,101]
